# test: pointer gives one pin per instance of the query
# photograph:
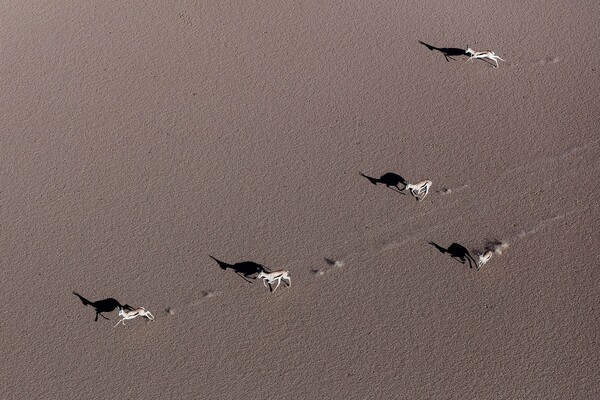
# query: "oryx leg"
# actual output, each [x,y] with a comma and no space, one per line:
[278,282]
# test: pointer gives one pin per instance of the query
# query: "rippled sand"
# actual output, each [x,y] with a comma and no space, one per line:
[140,139]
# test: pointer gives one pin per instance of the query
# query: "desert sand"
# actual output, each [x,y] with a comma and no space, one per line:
[146,145]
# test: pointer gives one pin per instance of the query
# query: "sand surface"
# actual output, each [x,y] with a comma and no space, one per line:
[140,138]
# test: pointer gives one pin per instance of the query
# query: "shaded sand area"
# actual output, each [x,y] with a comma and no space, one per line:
[140,139]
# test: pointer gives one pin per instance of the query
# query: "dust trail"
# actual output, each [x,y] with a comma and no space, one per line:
[541,225]
[559,157]
[446,190]
[205,295]
[394,244]
[331,263]
[577,149]
[548,60]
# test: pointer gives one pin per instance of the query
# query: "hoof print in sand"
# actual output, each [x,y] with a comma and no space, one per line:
[208,295]
[450,191]
[330,263]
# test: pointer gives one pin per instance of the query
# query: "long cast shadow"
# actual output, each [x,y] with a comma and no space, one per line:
[457,252]
[389,179]
[102,306]
[245,269]
[448,52]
